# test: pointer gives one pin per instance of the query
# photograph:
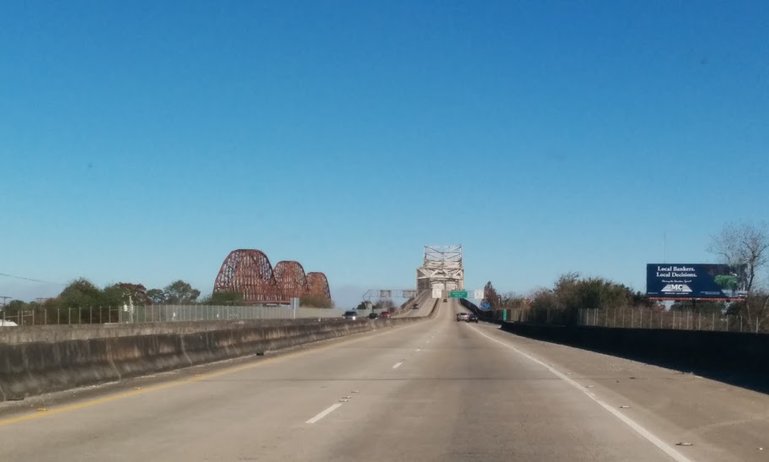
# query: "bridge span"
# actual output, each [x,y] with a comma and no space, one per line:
[438,390]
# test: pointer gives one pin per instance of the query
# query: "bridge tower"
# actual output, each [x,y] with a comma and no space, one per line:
[441,269]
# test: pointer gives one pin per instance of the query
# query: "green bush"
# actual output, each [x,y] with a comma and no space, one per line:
[316,301]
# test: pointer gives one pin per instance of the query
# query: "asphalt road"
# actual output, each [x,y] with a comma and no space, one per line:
[437,390]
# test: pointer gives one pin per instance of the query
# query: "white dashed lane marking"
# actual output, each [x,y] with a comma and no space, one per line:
[324,413]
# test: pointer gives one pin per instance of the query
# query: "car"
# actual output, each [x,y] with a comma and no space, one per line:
[373,316]
[7,323]
[472,317]
[415,306]
[445,300]
[462,316]
[385,315]
[352,315]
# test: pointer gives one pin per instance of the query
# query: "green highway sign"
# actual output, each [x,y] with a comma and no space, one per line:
[458,294]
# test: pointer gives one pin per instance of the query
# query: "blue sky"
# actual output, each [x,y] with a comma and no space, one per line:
[142,141]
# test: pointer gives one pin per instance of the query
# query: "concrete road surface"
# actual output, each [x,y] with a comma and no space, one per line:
[437,390]
[424,305]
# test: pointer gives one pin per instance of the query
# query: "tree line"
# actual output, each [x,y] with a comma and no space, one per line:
[744,247]
[82,293]
[571,293]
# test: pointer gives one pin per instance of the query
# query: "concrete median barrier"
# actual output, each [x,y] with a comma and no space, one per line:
[38,360]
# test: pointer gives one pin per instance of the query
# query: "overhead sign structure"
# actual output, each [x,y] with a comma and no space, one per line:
[458,294]
[671,281]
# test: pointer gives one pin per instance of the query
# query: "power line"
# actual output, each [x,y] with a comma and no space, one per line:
[13,276]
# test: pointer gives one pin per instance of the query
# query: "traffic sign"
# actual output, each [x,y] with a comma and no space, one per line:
[458,294]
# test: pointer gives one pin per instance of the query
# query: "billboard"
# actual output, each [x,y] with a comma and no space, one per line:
[686,280]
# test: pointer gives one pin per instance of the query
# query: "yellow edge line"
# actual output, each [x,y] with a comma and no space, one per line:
[4,422]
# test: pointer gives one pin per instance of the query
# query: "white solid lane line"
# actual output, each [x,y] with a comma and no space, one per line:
[397,365]
[646,434]
[324,413]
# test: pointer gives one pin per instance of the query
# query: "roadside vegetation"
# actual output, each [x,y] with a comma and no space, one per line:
[562,303]
[746,246]
[316,301]
[574,298]
[81,301]
[382,304]
[94,304]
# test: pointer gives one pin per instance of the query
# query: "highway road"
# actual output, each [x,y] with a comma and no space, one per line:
[437,390]
[424,305]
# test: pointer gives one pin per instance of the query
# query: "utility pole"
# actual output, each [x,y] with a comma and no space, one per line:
[2,307]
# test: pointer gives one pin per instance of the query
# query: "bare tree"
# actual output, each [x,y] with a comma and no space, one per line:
[763,309]
[746,247]
[490,295]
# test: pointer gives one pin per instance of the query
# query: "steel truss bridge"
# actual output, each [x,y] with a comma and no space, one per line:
[441,269]
[248,272]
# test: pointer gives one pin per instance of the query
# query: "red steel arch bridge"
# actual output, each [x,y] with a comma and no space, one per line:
[249,273]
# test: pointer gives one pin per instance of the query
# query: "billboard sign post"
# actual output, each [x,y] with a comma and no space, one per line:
[667,281]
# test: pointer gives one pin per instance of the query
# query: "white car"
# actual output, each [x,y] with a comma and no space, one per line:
[5,322]
[463,316]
